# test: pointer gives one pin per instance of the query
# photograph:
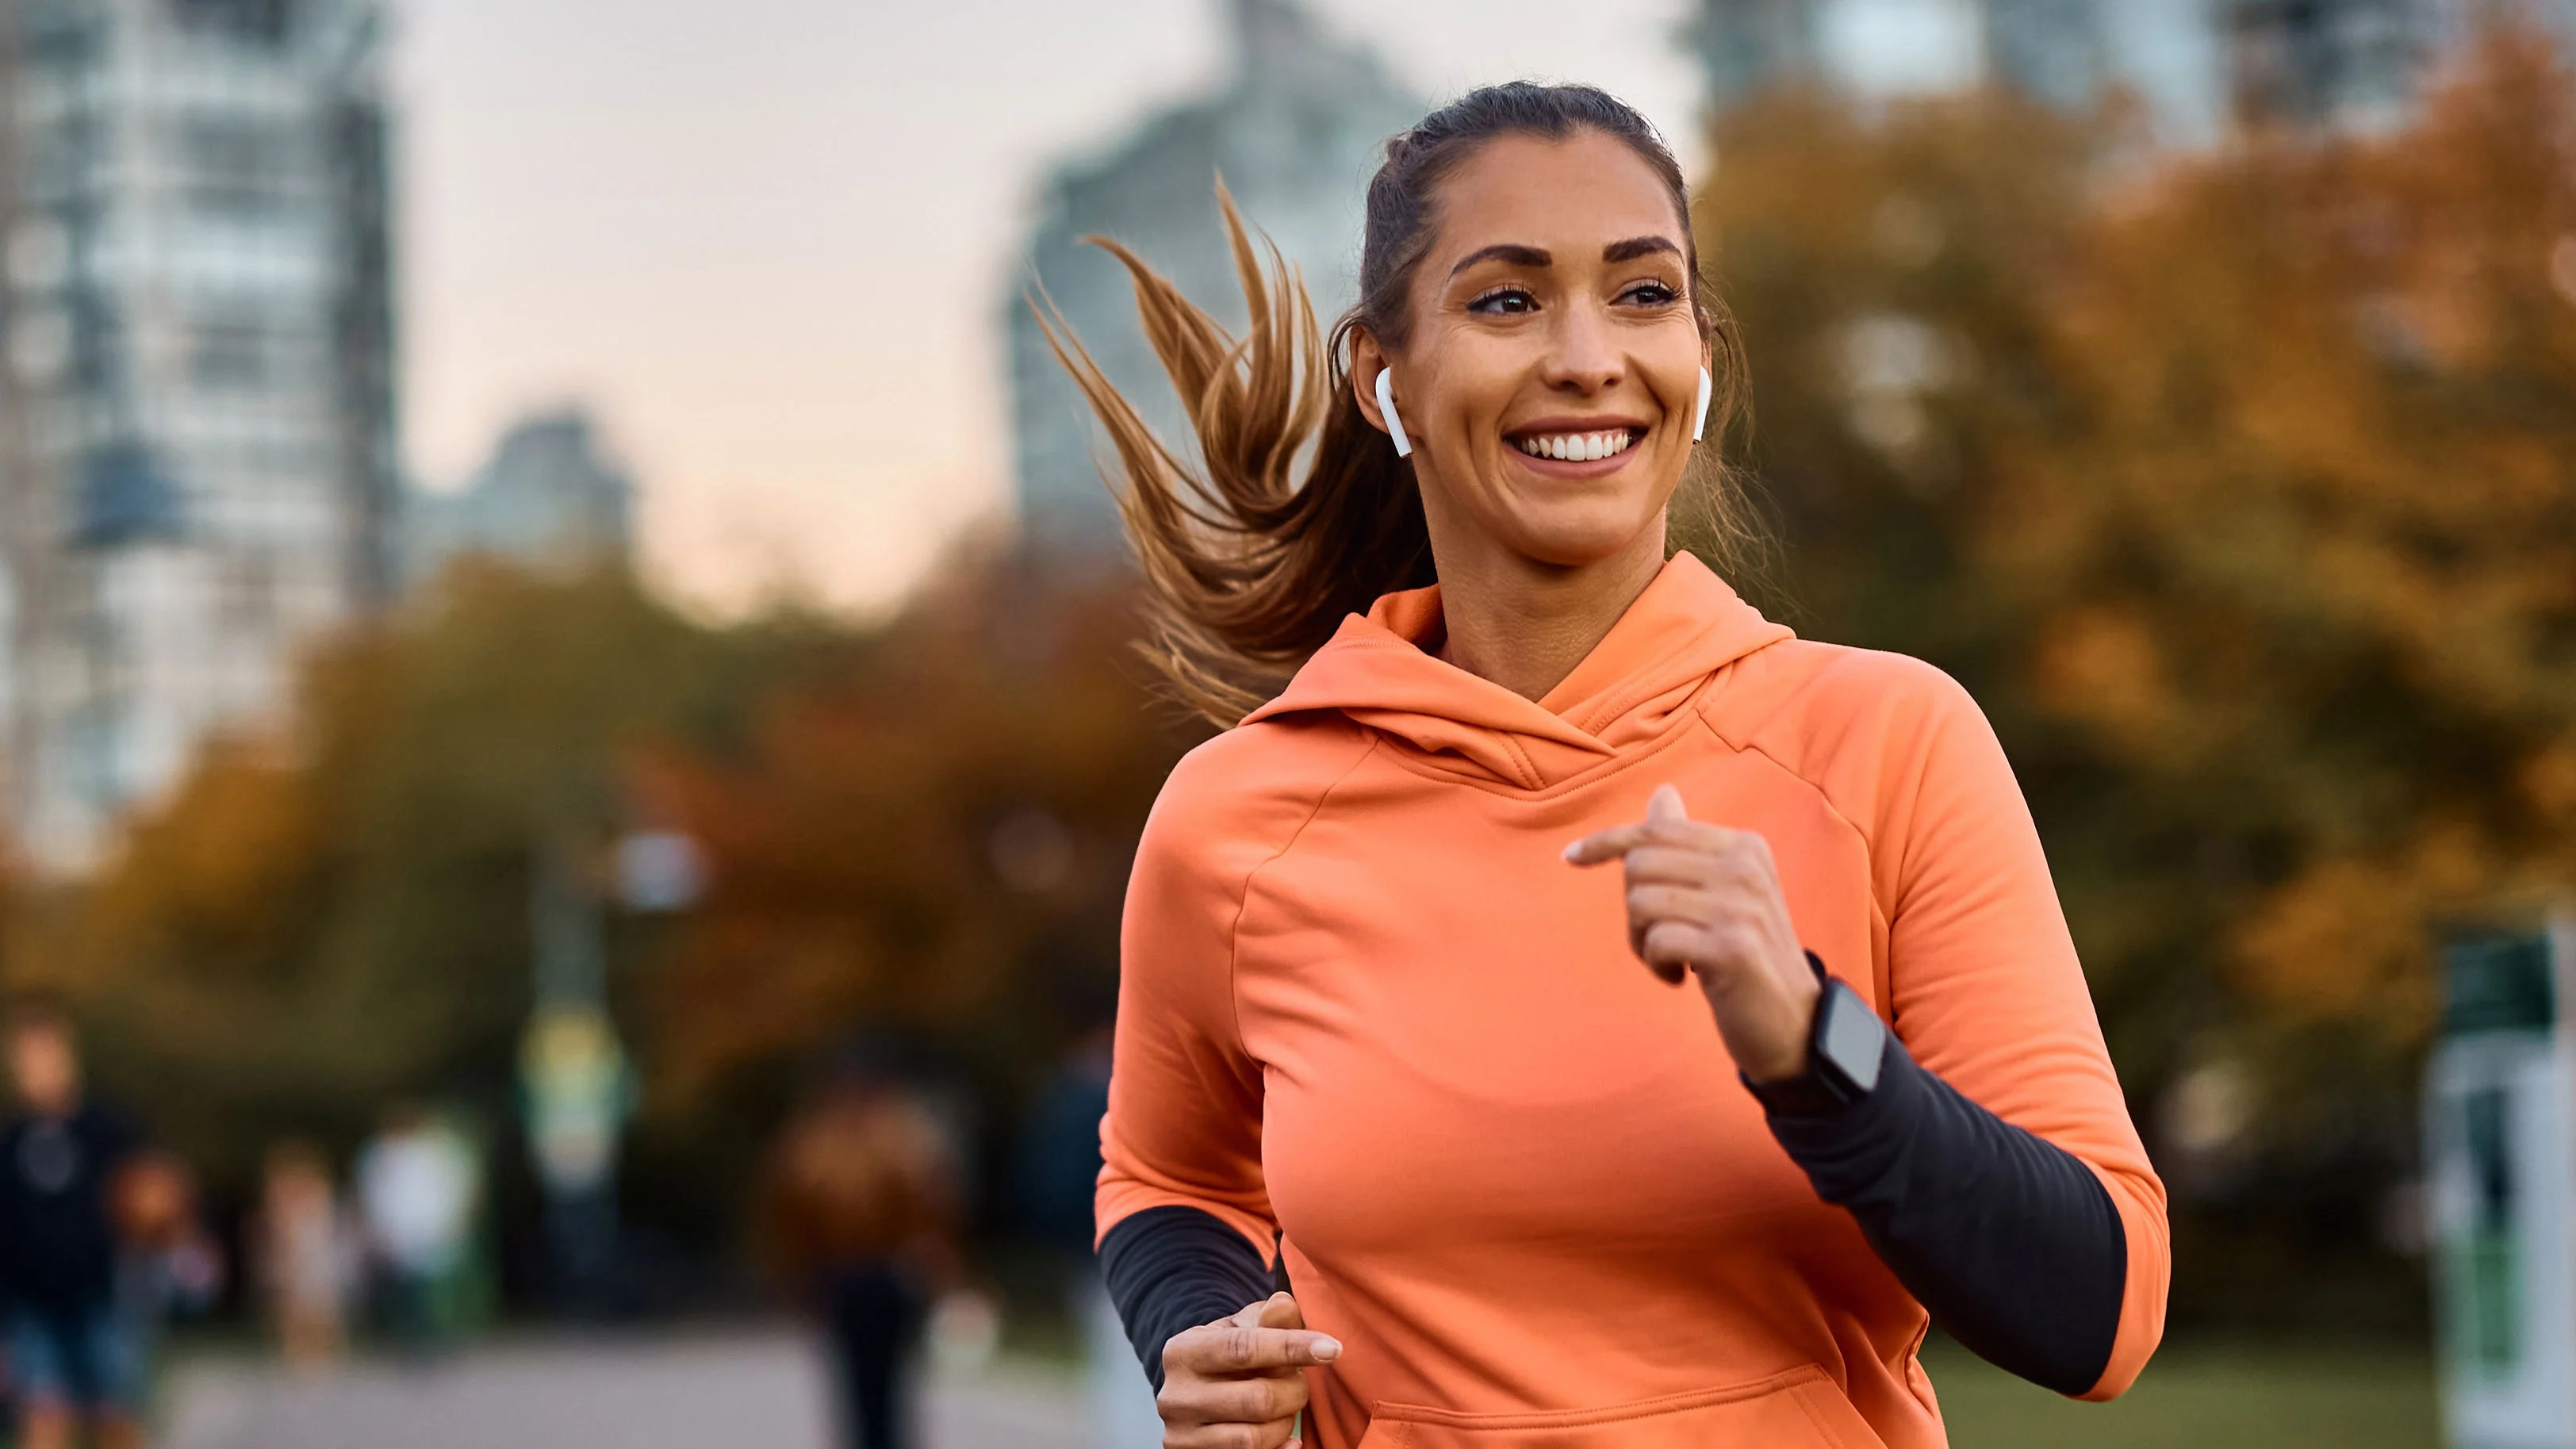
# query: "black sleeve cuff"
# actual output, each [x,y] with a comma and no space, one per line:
[2010,1242]
[1172,1268]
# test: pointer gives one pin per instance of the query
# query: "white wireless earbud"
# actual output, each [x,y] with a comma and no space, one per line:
[1386,409]
[1699,421]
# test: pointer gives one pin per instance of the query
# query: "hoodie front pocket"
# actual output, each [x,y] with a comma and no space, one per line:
[1798,1409]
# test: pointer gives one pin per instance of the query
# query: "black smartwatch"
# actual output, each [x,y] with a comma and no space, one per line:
[1844,1048]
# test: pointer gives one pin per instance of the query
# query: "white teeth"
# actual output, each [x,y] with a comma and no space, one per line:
[1576,447]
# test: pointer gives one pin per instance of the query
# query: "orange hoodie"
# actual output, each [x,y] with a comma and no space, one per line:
[1366,1003]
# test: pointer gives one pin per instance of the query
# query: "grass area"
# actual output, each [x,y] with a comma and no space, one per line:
[2205,1396]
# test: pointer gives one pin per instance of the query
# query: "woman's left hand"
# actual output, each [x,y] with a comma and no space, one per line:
[1705,899]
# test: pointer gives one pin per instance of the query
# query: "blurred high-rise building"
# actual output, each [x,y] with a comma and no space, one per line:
[548,500]
[197,446]
[1295,129]
[2200,66]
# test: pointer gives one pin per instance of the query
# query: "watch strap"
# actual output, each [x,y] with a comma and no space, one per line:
[1845,1043]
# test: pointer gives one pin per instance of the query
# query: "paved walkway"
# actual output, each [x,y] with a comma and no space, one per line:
[746,1392]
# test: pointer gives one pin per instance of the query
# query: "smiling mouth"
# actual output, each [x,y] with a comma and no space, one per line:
[1579,447]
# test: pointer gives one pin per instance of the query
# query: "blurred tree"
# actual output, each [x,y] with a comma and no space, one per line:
[322,920]
[936,839]
[2240,489]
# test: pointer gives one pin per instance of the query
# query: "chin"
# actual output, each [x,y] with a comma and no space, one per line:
[1583,539]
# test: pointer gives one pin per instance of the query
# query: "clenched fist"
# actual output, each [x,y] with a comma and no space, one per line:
[1238,1383]
[1705,900]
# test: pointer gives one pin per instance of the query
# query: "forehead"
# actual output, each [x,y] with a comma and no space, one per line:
[1570,197]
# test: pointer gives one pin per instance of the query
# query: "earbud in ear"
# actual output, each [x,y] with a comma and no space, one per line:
[1394,424]
[1699,423]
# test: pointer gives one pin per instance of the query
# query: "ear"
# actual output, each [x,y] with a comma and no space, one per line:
[1367,361]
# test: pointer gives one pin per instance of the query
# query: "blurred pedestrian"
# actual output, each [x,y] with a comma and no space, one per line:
[417,1185]
[859,1209]
[166,1262]
[76,1352]
[306,1253]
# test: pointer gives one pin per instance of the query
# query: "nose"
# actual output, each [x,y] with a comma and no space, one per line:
[1581,357]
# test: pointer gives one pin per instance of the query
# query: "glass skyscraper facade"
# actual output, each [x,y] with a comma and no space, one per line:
[197,429]
[2201,66]
[1296,129]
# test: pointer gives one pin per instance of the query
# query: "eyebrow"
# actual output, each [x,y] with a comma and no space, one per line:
[1517,255]
[1638,246]
[1528,256]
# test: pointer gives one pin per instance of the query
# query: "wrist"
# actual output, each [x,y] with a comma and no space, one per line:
[1842,1049]
[1796,1017]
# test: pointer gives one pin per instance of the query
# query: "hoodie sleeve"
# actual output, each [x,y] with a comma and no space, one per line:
[1184,1123]
[1986,992]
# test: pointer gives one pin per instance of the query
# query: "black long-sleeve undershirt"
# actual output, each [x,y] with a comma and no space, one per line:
[1171,1268]
[2010,1242]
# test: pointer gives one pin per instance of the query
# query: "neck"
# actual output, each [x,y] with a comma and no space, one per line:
[1525,625]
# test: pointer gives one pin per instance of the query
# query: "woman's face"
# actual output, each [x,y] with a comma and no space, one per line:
[1553,369]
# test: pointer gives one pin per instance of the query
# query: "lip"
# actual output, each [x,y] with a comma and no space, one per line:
[1589,468]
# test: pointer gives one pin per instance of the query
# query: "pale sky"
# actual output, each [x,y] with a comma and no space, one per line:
[766,241]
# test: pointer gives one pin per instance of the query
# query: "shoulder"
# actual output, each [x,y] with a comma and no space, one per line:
[1867,730]
[1243,796]
[1808,700]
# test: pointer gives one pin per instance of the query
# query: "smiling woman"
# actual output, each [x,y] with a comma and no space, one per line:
[1381,1025]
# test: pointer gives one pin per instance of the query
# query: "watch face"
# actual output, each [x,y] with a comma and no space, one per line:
[1853,1037]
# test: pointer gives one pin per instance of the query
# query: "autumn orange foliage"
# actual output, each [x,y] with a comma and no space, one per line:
[2241,485]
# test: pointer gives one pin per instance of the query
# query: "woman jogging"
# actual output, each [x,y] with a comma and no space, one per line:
[1624,1022]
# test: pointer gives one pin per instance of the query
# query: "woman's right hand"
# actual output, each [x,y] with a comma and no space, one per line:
[1238,1383]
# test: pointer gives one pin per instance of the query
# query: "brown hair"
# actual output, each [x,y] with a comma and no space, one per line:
[1249,569]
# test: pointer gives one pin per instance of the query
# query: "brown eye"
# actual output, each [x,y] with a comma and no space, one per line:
[1504,301]
[1650,294]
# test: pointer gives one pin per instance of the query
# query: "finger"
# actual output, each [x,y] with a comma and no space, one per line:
[1649,904]
[1234,1348]
[1672,945]
[1277,1435]
[1652,905]
[1665,824]
[1677,865]
[1261,1399]
[1608,844]
[1664,807]
[1280,1311]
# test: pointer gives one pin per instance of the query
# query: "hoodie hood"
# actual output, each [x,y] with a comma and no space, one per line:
[1683,629]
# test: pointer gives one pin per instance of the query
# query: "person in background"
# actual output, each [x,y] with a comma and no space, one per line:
[305,1250]
[76,1354]
[859,1210]
[1059,1171]
[166,1262]
[416,1196]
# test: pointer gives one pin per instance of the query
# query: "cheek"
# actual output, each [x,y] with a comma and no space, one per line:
[1472,390]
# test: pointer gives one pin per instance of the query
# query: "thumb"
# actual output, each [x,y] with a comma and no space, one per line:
[1280,1312]
[1664,807]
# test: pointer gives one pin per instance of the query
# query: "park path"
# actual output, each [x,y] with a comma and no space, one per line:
[751,1391]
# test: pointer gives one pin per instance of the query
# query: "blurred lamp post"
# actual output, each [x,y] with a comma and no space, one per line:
[2500,1165]
[574,1075]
